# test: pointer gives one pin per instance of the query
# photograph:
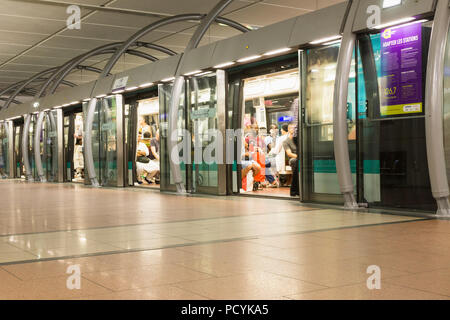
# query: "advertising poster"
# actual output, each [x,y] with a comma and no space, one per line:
[401,70]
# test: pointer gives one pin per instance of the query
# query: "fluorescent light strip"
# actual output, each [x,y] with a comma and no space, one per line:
[118,91]
[146,85]
[391,3]
[204,73]
[168,79]
[131,88]
[273,52]
[332,42]
[393,23]
[328,39]
[193,73]
[46,110]
[66,105]
[101,95]
[75,102]
[57,107]
[249,58]
[225,64]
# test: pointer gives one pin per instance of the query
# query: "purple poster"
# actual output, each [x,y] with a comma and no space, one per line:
[401,70]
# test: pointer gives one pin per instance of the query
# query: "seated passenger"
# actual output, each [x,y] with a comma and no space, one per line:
[248,164]
[145,168]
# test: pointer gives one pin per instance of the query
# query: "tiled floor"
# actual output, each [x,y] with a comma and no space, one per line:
[140,244]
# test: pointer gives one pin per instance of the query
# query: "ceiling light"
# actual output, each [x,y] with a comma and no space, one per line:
[36,105]
[328,39]
[75,102]
[249,58]
[204,73]
[101,95]
[273,52]
[193,73]
[146,85]
[46,110]
[87,99]
[332,42]
[168,79]
[391,3]
[225,64]
[65,105]
[57,107]
[393,23]
[118,91]
[131,88]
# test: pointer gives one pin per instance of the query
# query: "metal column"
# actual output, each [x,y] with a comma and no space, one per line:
[120,136]
[341,150]
[12,165]
[37,147]
[60,135]
[25,147]
[88,154]
[434,108]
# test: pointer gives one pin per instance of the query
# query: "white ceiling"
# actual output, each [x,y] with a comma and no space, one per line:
[34,37]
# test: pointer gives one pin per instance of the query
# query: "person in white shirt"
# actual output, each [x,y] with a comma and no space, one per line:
[278,150]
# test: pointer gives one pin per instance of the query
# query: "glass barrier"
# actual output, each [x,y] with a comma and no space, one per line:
[4,151]
[165,94]
[319,165]
[392,147]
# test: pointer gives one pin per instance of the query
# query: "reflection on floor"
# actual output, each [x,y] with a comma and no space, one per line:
[177,247]
[146,185]
[281,192]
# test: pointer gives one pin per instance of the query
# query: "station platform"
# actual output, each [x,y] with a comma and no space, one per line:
[142,244]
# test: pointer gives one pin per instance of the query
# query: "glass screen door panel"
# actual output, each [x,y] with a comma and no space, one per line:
[107,141]
[165,95]
[392,163]
[4,150]
[31,159]
[50,144]
[18,131]
[207,126]
[320,181]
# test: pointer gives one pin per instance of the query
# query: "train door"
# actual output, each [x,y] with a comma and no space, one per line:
[146,143]
[263,112]
[73,145]
[318,74]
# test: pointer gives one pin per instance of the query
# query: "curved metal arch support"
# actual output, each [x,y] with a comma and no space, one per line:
[14,101]
[434,93]
[37,147]
[164,22]
[23,85]
[340,139]
[133,40]
[25,155]
[177,88]
[65,69]
[156,47]
[74,63]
